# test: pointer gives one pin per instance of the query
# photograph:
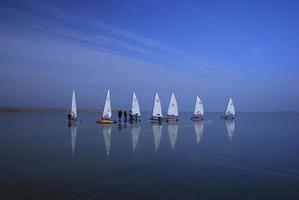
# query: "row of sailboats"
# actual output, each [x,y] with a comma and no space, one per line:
[172,129]
[157,116]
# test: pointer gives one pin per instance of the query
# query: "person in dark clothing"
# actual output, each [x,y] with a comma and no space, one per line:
[120,113]
[125,116]
[130,116]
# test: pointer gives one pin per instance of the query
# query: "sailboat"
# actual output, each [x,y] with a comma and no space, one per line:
[198,111]
[135,109]
[173,134]
[157,110]
[73,116]
[230,110]
[107,112]
[173,113]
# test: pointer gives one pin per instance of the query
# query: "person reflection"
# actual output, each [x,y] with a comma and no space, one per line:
[107,138]
[198,127]
[73,138]
[230,127]
[157,131]
[135,131]
[173,134]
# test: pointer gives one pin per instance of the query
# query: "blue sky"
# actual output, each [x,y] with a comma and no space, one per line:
[214,49]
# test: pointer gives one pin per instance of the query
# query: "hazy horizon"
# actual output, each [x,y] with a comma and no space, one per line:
[213,49]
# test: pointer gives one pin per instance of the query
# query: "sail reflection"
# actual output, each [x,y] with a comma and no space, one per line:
[230,127]
[107,138]
[73,138]
[173,134]
[198,127]
[157,131]
[135,131]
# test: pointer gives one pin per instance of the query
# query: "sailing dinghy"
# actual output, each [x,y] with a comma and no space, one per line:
[157,110]
[135,109]
[230,110]
[107,112]
[172,114]
[73,116]
[198,111]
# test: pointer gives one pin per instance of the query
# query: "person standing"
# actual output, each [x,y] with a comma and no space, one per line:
[120,113]
[125,116]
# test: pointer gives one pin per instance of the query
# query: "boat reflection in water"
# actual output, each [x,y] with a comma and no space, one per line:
[173,134]
[107,138]
[73,138]
[230,127]
[198,127]
[135,131]
[157,131]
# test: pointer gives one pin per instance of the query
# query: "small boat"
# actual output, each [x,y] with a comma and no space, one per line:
[73,116]
[157,110]
[198,111]
[135,109]
[173,113]
[107,112]
[230,110]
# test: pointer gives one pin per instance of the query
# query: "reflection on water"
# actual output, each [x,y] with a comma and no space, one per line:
[135,131]
[173,134]
[198,127]
[157,131]
[73,138]
[230,127]
[107,138]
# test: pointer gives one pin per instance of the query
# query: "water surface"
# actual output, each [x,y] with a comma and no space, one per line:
[253,157]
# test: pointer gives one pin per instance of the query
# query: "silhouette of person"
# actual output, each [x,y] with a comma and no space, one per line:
[120,113]
[125,116]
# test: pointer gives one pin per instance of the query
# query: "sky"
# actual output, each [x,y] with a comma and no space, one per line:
[247,50]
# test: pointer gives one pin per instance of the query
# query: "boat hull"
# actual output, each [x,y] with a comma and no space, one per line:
[228,117]
[105,121]
[171,119]
[156,119]
[197,118]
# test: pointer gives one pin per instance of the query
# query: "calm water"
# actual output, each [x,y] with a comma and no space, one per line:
[254,157]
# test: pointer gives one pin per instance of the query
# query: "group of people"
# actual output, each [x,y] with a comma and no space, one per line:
[132,118]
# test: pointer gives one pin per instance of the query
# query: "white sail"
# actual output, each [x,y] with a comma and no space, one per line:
[230,127]
[73,138]
[74,106]
[135,106]
[173,107]
[230,110]
[173,134]
[198,107]
[157,130]
[107,113]
[198,127]
[157,109]
[107,138]
[135,135]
